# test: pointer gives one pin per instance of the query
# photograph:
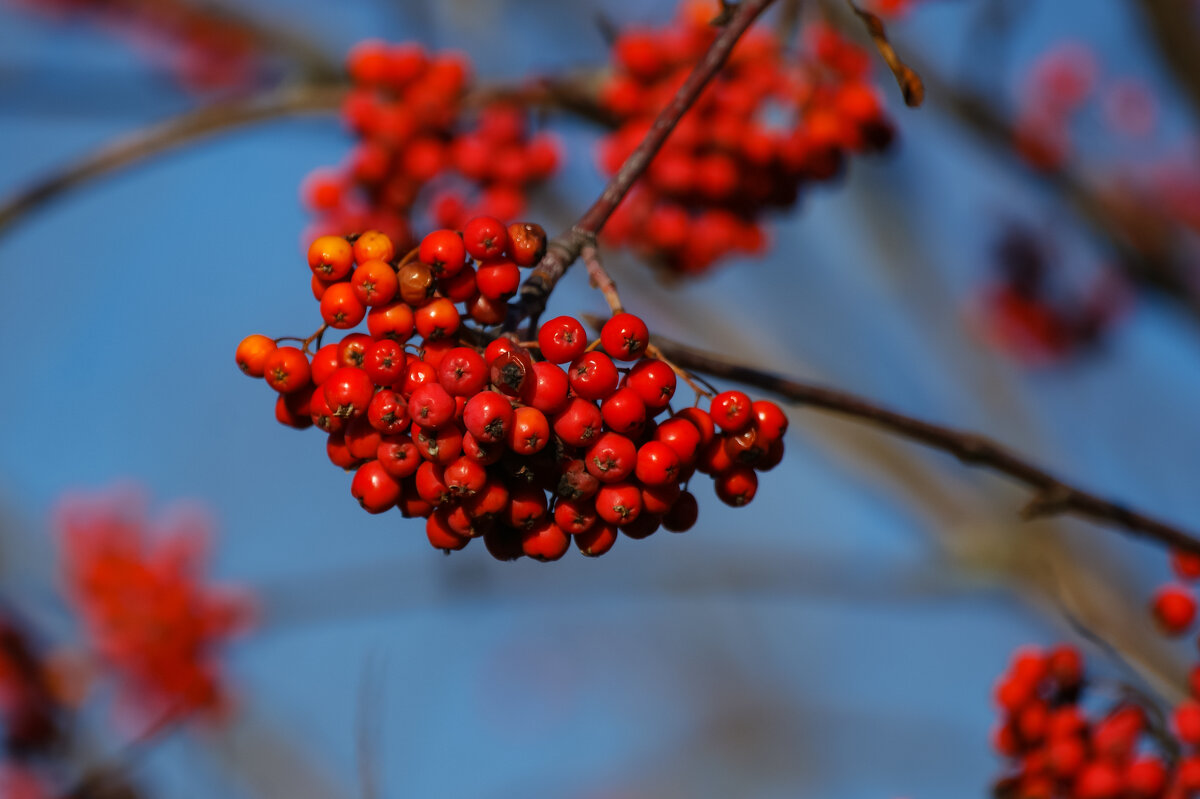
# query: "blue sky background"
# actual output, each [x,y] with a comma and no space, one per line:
[838,637]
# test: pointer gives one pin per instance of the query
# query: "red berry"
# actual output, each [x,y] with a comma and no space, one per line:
[348,391]
[737,486]
[430,406]
[562,339]
[437,319]
[1186,720]
[1174,609]
[443,252]
[545,541]
[624,412]
[731,411]
[287,370]
[252,354]
[485,237]
[770,421]
[341,308]
[388,412]
[374,488]
[612,458]
[593,376]
[579,424]
[550,388]
[498,278]
[488,416]
[374,283]
[463,372]
[373,246]
[530,432]
[657,464]
[619,503]
[331,258]
[398,456]
[394,320]
[625,337]
[598,539]
[385,362]
[654,382]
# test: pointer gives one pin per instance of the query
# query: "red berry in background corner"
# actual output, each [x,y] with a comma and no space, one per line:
[1174,609]
[625,337]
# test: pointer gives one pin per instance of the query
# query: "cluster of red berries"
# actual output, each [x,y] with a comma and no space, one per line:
[1027,313]
[150,618]
[417,145]
[527,453]
[203,49]
[768,123]
[1058,87]
[1058,750]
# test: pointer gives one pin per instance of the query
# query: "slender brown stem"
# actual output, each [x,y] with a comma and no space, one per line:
[167,135]
[907,79]
[564,250]
[599,276]
[1051,496]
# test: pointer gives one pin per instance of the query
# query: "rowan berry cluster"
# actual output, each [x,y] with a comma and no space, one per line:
[148,615]
[526,445]
[419,145]
[771,121]
[1058,748]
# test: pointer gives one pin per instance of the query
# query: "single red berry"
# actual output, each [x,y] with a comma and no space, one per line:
[483,452]
[437,319]
[431,484]
[417,373]
[385,362]
[1186,721]
[373,246]
[488,417]
[619,503]
[338,452]
[443,252]
[682,515]
[593,376]
[331,258]
[660,498]
[465,477]
[322,415]
[487,311]
[770,421]
[441,535]
[654,382]
[575,516]
[374,488]
[1098,780]
[352,350]
[598,539]
[388,412]
[374,283]
[485,237]
[1146,777]
[1185,564]
[702,421]
[394,320]
[550,389]
[511,373]
[562,339]
[737,486]
[1174,609]
[579,424]
[461,287]
[498,278]
[624,412]
[463,372]
[287,369]
[399,456]
[625,337]
[431,406]
[529,433]
[545,540]
[341,308]
[252,354]
[657,464]
[295,409]
[1066,756]
[439,446]
[348,391]
[680,435]
[1065,665]
[731,411]
[361,438]
[526,243]
[611,458]
[526,504]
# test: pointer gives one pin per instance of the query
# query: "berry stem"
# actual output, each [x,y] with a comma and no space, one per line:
[655,352]
[599,276]
[910,83]
[1052,496]
[565,249]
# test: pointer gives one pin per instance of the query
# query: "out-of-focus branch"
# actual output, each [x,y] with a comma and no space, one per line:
[1051,496]
[1172,24]
[167,135]
[564,250]
[911,86]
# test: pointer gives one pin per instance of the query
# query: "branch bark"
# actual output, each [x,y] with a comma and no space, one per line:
[565,249]
[1051,495]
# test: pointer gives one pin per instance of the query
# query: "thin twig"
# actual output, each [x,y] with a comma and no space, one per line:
[1051,496]
[563,250]
[599,276]
[167,135]
[907,79]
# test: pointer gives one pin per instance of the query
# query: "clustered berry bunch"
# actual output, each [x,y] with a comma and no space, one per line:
[767,124]
[1059,749]
[419,145]
[203,49]
[526,452]
[146,610]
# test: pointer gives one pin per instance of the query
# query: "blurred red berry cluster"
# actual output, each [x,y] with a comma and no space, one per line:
[771,121]
[148,614]
[419,145]
[204,49]
[526,445]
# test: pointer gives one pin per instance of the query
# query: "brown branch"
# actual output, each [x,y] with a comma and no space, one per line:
[1173,25]
[167,135]
[599,276]
[1052,496]
[907,79]
[564,249]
